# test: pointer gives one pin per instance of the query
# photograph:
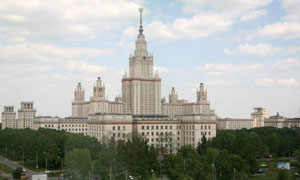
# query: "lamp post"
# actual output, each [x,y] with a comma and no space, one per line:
[36,161]
[46,159]
[23,155]
[62,165]
[110,169]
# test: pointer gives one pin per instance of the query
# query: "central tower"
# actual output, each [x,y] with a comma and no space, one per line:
[141,91]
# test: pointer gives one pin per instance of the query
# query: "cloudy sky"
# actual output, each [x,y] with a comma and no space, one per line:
[247,52]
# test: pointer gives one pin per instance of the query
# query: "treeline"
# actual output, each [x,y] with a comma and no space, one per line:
[230,155]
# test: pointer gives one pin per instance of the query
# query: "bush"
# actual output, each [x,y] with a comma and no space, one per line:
[17,173]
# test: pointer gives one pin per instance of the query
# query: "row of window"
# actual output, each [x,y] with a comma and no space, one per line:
[72,125]
[157,133]
[119,128]
[178,127]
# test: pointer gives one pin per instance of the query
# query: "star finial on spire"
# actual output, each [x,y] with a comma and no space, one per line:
[141,20]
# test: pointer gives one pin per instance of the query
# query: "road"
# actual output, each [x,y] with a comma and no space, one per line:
[15,165]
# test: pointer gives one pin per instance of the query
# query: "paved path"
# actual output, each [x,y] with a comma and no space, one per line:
[15,165]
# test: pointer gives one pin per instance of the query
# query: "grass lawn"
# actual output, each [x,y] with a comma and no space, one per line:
[6,169]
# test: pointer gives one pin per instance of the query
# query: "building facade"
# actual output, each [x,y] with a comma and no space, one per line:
[140,109]
[98,103]
[26,114]
[141,91]
[9,118]
[181,107]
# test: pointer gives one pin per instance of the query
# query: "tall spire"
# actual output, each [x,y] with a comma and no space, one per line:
[141,21]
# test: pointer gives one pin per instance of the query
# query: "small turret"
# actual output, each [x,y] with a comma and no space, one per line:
[79,93]
[173,96]
[99,90]
[201,94]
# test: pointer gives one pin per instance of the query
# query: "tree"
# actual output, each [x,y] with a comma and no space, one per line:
[186,164]
[202,146]
[78,163]
[283,174]
[17,173]
[297,153]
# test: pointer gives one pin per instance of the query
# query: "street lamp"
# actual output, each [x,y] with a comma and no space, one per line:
[110,169]
[62,165]
[46,159]
[36,161]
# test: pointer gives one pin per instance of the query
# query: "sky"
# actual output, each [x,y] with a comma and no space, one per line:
[246,52]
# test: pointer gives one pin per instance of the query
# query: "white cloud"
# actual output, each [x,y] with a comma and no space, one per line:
[234,7]
[291,50]
[261,49]
[204,24]
[229,69]
[160,69]
[277,82]
[292,8]
[287,64]
[37,53]
[252,15]
[287,28]
[63,19]
[220,83]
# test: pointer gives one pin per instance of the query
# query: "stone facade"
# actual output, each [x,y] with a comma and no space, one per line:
[177,107]
[281,122]
[141,91]
[97,103]
[9,118]
[26,114]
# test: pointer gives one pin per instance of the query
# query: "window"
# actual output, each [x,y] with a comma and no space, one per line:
[114,128]
[152,133]
[123,128]
[147,127]
[156,127]
[166,127]
[143,127]
[170,126]
[143,133]
[152,127]
[123,135]
[119,128]
[161,127]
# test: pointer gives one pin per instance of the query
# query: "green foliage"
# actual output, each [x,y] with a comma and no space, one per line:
[6,168]
[17,173]
[78,163]
[255,143]
[297,153]
[283,174]
[41,143]
[186,164]
[230,155]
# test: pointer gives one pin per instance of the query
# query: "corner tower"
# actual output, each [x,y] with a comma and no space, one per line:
[141,91]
